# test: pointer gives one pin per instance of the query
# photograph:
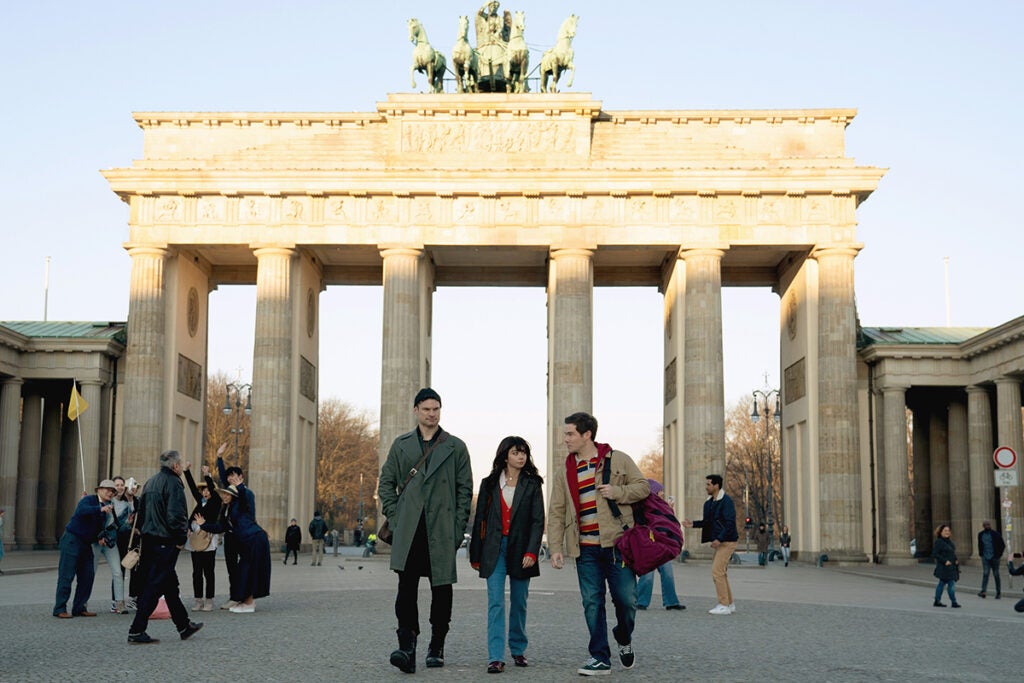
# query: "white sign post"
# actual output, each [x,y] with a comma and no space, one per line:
[1005,459]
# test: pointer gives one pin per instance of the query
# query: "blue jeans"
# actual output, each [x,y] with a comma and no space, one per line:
[950,589]
[519,591]
[75,562]
[595,568]
[114,562]
[645,586]
[990,564]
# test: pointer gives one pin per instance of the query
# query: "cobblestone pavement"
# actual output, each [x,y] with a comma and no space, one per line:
[336,623]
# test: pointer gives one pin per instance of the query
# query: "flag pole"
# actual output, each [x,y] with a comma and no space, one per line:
[78,420]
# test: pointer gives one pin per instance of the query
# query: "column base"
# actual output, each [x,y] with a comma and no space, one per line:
[898,560]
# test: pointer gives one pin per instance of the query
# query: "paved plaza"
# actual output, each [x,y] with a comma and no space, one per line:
[336,623]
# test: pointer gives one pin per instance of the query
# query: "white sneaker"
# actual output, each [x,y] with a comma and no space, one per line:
[720,609]
[244,609]
[229,604]
[732,608]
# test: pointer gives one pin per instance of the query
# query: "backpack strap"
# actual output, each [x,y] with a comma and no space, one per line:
[606,475]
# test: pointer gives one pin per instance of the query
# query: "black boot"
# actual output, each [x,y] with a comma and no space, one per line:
[435,652]
[405,656]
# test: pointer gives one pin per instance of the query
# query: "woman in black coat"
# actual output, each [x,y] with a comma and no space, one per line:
[947,570]
[507,532]
[203,547]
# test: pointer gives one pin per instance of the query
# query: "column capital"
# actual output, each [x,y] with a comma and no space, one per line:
[827,250]
[90,381]
[561,252]
[12,381]
[693,252]
[135,249]
[976,389]
[386,251]
[1006,379]
[893,388]
[259,250]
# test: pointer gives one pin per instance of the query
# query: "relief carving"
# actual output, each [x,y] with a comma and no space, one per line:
[424,212]
[381,210]
[307,379]
[294,209]
[465,210]
[491,137]
[597,210]
[553,209]
[211,210]
[641,209]
[190,378]
[252,209]
[794,385]
[337,209]
[683,209]
[816,209]
[168,210]
[770,210]
[725,209]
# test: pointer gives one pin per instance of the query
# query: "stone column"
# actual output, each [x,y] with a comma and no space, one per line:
[703,381]
[49,473]
[270,447]
[838,448]
[960,479]
[10,435]
[938,451]
[144,363]
[1008,403]
[897,484]
[89,423]
[570,343]
[923,529]
[28,470]
[401,353]
[979,444]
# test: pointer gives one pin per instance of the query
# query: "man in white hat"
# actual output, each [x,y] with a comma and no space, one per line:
[76,558]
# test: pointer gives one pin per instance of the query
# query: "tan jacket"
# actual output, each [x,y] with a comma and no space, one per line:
[629,485]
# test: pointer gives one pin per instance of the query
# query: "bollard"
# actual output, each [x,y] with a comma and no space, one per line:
[334,536]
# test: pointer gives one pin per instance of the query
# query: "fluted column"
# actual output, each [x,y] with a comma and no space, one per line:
[897,484]
[144,363]
[49,473]
[570,343]
[1008,402]
[938,448]
[272,387]
[10,435]
[923,530]
[703,381]
[28,469]
[838,449]
[979,443]
[959,477]
[400,358]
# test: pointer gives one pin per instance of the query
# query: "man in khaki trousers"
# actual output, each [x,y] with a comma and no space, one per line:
[718,527]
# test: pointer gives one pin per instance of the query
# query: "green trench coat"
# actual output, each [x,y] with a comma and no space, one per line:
[443,491]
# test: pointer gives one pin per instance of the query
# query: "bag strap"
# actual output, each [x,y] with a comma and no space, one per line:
[131,536]
[426,454]
[606,477]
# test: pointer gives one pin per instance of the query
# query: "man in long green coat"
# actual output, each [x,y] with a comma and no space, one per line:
[425,491]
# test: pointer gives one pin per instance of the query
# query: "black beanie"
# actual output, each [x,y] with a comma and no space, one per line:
[425,394]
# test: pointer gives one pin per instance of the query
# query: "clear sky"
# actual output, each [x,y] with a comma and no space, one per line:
[937,86]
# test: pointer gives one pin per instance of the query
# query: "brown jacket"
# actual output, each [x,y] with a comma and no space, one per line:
[629,485]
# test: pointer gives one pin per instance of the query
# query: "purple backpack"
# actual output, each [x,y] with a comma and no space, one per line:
[655,537]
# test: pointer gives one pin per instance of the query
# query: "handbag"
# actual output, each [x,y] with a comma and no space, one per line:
[132,557]
[200,540]
[655,537]
[385,533]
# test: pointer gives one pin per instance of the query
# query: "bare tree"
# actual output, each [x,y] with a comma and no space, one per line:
[749,448]
[346,450]
[219,425]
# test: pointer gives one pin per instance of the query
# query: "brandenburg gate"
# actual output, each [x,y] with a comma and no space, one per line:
[520,190]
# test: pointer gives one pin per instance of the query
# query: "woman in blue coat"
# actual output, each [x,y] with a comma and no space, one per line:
[507,532]
[253,579]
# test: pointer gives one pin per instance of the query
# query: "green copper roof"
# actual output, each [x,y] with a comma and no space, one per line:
[917,335]
[68,329]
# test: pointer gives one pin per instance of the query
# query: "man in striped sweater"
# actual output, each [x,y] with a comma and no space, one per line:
[581,526]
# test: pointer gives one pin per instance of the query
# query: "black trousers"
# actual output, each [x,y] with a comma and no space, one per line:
[203,568]
[291,551]
[231,560]
[406,603]
[158,561]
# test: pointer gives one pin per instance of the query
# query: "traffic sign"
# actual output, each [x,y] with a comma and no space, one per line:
[1004,457]
[1006,478]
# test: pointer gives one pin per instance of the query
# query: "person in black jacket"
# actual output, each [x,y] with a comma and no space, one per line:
[947,569]
[164,523]
[990,549]
[292,541]
[317,531]
[204,559]
[718,527]
[507,531]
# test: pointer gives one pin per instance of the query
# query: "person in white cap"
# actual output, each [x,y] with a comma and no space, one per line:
[76,558]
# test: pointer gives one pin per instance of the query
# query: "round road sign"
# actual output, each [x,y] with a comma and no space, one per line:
[1004,457]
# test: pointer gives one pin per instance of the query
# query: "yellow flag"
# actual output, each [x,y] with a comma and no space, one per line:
[77,404]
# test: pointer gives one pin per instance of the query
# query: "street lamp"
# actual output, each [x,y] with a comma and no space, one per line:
[768,399]
[239,389]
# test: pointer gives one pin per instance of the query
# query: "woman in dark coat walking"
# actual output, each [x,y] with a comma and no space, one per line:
[506,538]
[947,570]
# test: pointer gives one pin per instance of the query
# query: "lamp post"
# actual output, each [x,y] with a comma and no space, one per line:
[768,400]
[239,389]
